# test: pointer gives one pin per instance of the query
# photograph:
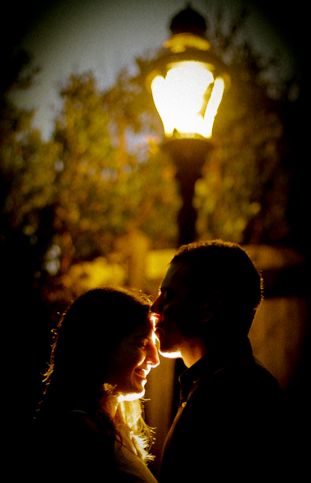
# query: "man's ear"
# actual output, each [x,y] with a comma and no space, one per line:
[208,312]
[204,313]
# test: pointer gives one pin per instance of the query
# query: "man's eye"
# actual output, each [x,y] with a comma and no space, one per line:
[166,295]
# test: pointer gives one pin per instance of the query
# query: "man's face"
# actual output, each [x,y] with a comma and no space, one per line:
[173,309]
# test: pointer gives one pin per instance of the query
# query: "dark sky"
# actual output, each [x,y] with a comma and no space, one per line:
[288,18]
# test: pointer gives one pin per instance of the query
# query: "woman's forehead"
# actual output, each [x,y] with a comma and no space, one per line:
[145,329]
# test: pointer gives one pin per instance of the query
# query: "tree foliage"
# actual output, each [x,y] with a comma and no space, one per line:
[26,179]
[242,195]
[101,186]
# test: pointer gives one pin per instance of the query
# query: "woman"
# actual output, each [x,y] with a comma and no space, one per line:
[90,420]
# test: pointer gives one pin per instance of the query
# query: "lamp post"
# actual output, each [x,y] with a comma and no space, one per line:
[187,82]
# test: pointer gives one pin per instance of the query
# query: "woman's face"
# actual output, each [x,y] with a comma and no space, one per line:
[133,360]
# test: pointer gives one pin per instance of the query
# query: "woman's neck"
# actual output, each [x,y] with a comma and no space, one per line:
[109,404]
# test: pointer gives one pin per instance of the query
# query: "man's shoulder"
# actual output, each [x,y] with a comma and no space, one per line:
[244,384]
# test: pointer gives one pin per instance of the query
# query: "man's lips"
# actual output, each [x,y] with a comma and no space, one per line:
[156,319]
[158,330]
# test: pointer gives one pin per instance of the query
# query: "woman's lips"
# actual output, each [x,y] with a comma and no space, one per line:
[142,373]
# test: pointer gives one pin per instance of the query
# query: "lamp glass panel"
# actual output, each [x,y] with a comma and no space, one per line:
[187,99]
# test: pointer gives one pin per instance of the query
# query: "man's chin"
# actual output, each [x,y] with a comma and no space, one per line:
[170,354]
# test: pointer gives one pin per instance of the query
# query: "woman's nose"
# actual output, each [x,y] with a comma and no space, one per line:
[153,355]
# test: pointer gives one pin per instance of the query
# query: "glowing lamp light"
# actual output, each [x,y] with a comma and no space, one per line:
[187,80]
[187,99]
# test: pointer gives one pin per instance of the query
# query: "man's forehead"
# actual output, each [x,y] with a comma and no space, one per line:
[176,274]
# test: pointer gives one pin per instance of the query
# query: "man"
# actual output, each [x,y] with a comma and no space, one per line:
[231,424]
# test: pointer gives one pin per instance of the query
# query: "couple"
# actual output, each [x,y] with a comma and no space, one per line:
[230,423]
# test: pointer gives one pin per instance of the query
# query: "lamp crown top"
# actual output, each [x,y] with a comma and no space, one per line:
[188,20]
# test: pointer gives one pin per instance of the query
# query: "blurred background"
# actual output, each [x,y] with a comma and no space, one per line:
[89,194]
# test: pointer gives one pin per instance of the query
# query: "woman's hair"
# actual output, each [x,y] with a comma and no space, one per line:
[88,333]
[86,337]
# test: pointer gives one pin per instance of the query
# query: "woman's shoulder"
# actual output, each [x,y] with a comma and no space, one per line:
[131,468]
[81,444]
[74,430]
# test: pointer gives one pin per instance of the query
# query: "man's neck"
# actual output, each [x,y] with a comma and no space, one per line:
[191,351]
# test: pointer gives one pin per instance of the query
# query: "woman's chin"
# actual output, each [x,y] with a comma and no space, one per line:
[131,396]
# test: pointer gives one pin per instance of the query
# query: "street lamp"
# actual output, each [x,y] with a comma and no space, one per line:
[187,82]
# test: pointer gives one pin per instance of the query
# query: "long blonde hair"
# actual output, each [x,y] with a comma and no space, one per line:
[131,414]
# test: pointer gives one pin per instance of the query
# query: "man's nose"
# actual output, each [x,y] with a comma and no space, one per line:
[155,307]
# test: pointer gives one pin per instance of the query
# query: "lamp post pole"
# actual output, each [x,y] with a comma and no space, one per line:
[188,156]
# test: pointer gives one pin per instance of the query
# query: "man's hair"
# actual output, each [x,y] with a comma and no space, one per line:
[221,274]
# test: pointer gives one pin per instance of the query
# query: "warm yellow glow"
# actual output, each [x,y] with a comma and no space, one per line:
[187,99]
[185,40]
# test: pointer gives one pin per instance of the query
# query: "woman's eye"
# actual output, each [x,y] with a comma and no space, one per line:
[143,343]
